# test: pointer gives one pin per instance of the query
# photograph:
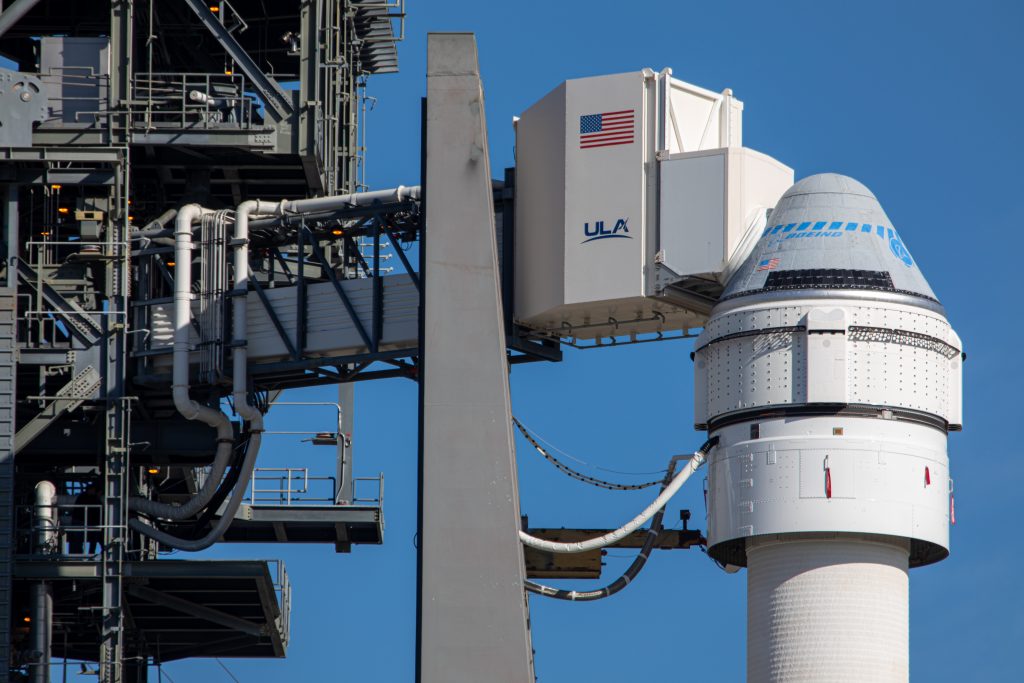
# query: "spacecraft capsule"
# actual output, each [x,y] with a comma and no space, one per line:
[831,376]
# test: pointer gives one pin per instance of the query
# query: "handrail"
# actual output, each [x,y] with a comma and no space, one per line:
[66,533]
[295,486]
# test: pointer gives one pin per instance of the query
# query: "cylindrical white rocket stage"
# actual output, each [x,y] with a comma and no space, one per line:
[827,610]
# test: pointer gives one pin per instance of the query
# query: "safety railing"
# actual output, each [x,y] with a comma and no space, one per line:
[363,483]
[60,531]
[295,486]
[78,98]
[283,591]
[192,100]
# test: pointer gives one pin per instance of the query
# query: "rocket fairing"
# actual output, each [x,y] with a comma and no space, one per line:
[831,376]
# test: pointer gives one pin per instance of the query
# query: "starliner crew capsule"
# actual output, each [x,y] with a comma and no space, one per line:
[831,377]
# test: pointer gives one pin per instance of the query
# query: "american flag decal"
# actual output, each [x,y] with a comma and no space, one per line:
[607,129]
[768,264]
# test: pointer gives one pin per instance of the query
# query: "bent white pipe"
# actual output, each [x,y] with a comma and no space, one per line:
[192,410]
[239,380]
[611,537]
[189,408]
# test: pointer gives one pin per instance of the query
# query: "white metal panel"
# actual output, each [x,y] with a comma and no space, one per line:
[329,330]
[955,388]
[709,202]
[700,392]
[826,355]
[540,206]
[756,181]
[692,221]
[605,208]
[887,478]
[828,473]
[883,368]
[697,119]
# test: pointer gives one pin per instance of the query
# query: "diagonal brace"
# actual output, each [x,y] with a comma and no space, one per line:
[281,332]
[333,277]
[80,322]
[268,89]
[69,397]
[202,611]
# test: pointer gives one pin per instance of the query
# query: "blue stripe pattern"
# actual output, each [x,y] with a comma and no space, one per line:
[836,226]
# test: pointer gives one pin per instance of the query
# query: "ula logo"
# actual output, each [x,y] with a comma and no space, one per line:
[599,231]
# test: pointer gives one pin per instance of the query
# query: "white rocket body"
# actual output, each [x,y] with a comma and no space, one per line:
[831,376]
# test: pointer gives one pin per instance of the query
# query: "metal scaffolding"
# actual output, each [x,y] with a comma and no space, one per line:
[154,307]
[128,111]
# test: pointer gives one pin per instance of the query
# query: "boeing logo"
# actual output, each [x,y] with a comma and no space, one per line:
[838,229]
[600,231]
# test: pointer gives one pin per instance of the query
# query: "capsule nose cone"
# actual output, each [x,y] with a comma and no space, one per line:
[829,232]
[829,183]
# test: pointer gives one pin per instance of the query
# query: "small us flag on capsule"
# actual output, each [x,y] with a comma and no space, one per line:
[768,264]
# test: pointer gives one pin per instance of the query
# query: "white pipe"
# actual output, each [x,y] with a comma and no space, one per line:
[189,408]
[238,307]
[613,536]
[41,595]
[239,354]
[315,204]
[319,204]
[239,379]
[180,368]
[45,517]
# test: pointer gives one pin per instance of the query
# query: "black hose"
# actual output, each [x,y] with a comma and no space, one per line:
[222,492]
[197,528]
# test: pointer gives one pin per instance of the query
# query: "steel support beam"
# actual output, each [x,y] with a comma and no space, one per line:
[214,616]
[12,14]
[346,423]
[8,380]
[68,397]
[473,622]
[117,418]
[268,89]
[8,323]
[413,275]
[346,302]
[80,322]
[281,332]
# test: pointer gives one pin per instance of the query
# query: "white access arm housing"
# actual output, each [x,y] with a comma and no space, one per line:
[633,195]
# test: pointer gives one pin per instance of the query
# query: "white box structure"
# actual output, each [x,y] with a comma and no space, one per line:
[633,194]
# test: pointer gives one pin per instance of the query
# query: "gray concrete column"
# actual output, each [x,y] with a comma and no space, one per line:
[473,619]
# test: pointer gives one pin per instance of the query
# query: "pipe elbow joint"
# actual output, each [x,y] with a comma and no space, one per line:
[188,408]
[183,221]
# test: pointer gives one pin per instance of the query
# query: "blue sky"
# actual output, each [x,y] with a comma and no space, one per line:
[919,101]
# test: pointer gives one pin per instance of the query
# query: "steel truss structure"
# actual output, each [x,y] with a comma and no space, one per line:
[118,115]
